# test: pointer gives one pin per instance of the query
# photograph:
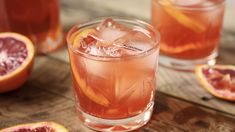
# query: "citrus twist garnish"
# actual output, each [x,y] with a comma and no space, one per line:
[180,17]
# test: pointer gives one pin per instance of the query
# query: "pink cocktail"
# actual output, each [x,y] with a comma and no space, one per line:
[190,31]
[113,65]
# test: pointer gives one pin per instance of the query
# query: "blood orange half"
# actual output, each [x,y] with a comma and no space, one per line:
[36,127]
[219,80]
[16,60]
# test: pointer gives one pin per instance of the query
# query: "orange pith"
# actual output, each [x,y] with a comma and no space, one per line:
[182,18]
[52,125]
[17,77]
[221,93]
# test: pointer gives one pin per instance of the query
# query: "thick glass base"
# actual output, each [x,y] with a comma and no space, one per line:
[126,124]
[186,65]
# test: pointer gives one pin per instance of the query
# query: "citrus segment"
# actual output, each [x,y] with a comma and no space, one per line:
[77,38]
[88,91]
[182,18]
[36,127]
[219,80]
[16,60]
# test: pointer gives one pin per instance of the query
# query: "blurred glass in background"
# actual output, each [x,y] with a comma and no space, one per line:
[37,19]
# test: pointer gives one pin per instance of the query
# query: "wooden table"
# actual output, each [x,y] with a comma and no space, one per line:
[181,103]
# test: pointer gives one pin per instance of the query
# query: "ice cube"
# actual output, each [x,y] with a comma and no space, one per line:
[110,23]
[110,34]
[134,42]
[114,40]
[98,68]
[106,23]
[110,30]
[113,51]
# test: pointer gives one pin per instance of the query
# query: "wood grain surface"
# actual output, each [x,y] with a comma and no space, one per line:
[51,99]
[181,103]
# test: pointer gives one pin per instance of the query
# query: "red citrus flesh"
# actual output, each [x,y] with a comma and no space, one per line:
[16,60]
[36,127]
[219,80]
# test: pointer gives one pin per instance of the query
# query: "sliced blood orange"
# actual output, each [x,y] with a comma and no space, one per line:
[219,80]
[88,91]
[77,37]
[183,19]
[16,60]
[36,127]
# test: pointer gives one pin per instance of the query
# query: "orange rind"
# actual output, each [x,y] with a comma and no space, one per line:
[34,127]
[87,90]
[183,19]
[228,91]
[18,76]
[76,38]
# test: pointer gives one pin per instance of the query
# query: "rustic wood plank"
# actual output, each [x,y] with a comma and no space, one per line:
[51,99]
[48,95]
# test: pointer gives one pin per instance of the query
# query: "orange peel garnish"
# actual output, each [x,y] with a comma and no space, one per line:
[87,90]
[76,38]
[180,17]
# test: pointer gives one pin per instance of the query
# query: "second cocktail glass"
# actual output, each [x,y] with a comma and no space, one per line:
[190,31]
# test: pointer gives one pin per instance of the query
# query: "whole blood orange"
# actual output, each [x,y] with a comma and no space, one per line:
[36,127]
[16,60]
[219,80]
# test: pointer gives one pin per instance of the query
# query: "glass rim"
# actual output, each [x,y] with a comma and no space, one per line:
[205,8]
[138,23]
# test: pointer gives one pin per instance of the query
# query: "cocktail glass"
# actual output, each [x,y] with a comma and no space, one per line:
[113,65]
[190,31]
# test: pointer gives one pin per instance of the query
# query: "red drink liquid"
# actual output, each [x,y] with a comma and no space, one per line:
[37,19]
[190,29]
[113,68]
